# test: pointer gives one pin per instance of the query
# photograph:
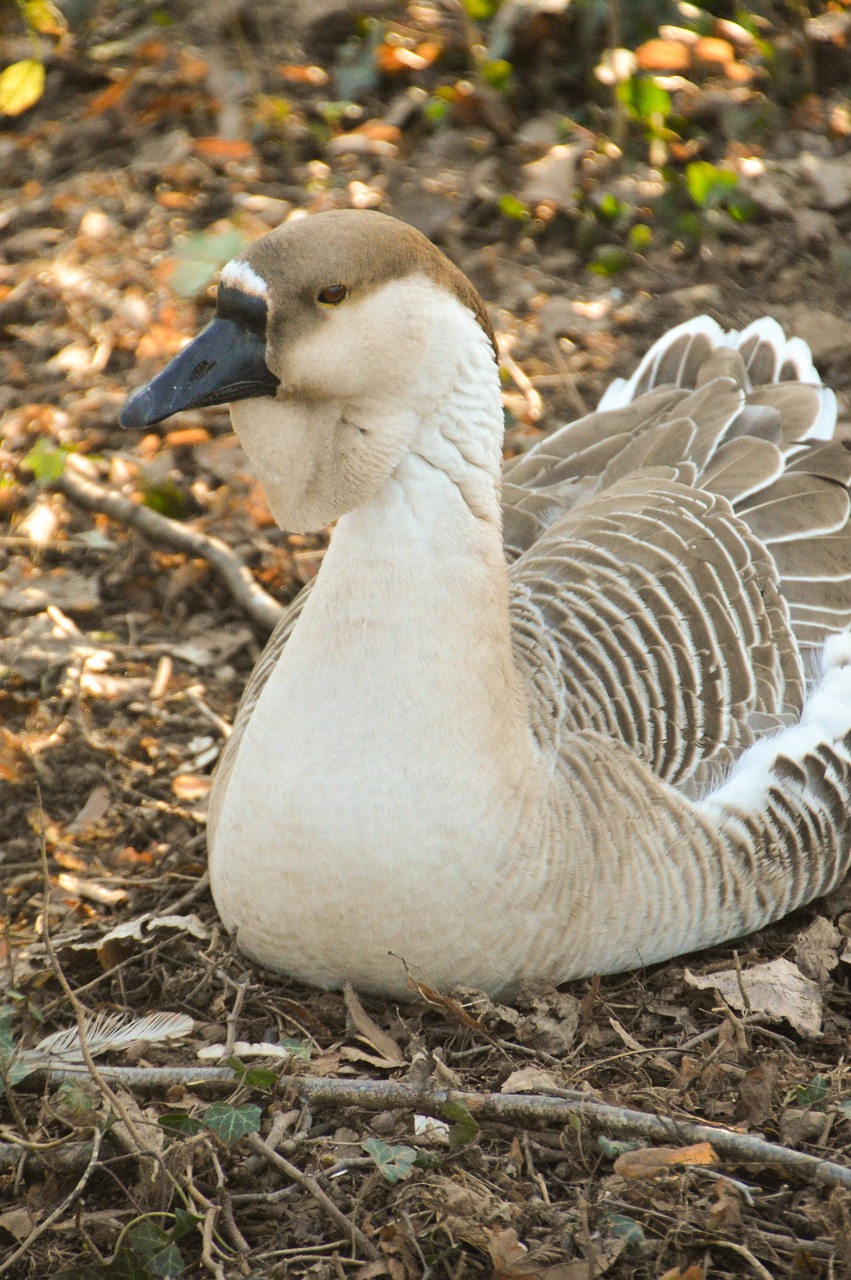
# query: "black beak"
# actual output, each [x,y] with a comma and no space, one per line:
[226,362]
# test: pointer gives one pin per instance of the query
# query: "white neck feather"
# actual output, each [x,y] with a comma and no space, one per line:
[396,699]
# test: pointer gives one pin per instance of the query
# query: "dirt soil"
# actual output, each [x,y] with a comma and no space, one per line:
[167,137]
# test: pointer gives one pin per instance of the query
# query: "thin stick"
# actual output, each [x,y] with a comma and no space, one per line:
[383,1095]
[59,1210]
[761,1271]
[155,1079]
[310,1185]
[249,595]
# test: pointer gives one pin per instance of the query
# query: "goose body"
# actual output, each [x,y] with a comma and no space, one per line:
[574,716]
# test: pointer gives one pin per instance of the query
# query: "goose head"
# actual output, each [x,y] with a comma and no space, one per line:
[335,338]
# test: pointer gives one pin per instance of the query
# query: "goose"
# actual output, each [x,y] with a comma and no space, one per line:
[571,716]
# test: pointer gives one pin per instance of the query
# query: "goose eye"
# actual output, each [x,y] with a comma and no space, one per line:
[333,295]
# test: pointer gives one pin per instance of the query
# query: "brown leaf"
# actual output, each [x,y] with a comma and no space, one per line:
[650,1162]
[677,1273]
[529,1080]
[712,50]
[14,759]
[109,97]
[93,810]
[191,786]
[295,73]
[369,1030]
[817,950]
[777,989]
[757,1092]
[663,55]
[18,1222]
[223,149]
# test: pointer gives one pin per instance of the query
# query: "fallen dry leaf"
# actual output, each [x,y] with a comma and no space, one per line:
[369,1030]
[757,1092]
[663,55]
[92,811]
[529,1080]
[777,989]
[817,950]
[650,1162]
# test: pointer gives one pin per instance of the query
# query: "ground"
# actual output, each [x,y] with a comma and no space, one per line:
[168,136]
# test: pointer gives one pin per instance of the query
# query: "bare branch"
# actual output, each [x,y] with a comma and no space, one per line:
[744,1148]
[248,594]
[321,1197]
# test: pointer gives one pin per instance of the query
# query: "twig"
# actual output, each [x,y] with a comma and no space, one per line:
[534,405]
[310,1185]
[249,595]
[383,1095]
[761,1271]
[59,1210]
[156,1079]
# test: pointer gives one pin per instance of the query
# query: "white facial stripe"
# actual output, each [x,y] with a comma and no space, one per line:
[239,275]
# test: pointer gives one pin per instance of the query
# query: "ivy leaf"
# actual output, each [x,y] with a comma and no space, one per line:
[624,1228]
[296,1047]
[395,1162]
[184,1222]
[229,1124]
[180,1124]
[21,86]
[155,1248]
[463,1128]
[613,1149]
[260,1078]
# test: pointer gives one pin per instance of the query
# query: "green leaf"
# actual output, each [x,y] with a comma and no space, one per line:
[708,185]
[201,256]
[395,1163]
[177,1123]
[813,1094]
[296,1047]
[609,259]
[640,237]
[644,99]
[481,10]
[499,73]
[624,1228]
[260,1078]
[184,1222]
[155,1248]
[21,86]
[844,1108]
[229,1123]
[168,499]
[511,207]
[46,460]
[463,1128]
[436,110]
[611,1150]
[44,17]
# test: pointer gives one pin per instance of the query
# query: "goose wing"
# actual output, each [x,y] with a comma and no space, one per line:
[676,553]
